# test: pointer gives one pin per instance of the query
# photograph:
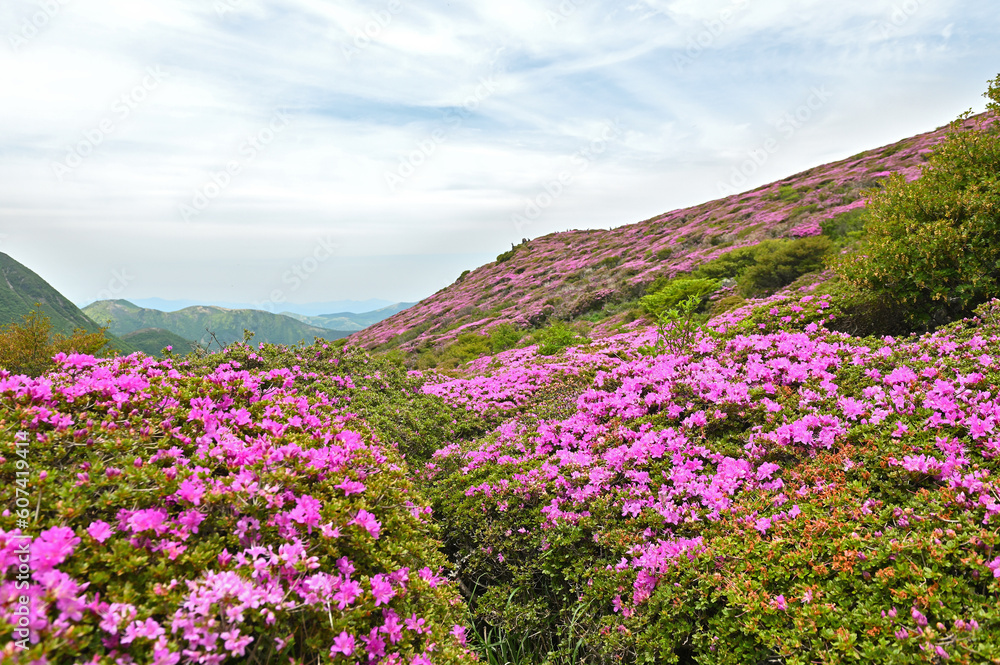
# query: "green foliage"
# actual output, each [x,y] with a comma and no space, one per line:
[664,253]
[786,194]
[28,347]
[933,243]
[504,336]
[845,227]
[677,291]
[555,338]
[506,256]
[779,263]
[463,275]
[677,327]
[130,469]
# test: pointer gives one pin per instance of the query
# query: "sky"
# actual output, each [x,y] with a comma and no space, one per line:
[281,151]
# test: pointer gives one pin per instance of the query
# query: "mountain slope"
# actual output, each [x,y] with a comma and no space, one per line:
[152,341]
[193,323]
[576,273]
[351,321]
[21,289]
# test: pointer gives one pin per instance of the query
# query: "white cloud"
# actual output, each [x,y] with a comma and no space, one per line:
[485,101]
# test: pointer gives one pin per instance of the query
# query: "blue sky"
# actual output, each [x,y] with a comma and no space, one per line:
[320,150]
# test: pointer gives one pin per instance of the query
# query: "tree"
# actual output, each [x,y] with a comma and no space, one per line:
[933,244]
[28,347]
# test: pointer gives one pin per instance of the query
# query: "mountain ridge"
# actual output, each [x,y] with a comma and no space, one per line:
[207,324]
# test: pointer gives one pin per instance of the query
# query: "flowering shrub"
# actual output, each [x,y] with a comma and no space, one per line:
[787,494]
[211,513]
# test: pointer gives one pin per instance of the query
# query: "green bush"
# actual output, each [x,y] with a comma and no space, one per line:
[847,226]
[933,243]
[504,336]
[555,338]
[779,263]
[28,347]
[675,292]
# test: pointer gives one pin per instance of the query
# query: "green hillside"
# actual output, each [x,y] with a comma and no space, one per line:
[152,341]
[200,322]
[351,321]
[21,289]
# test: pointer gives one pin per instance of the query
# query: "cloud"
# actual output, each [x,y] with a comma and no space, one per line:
[421,130]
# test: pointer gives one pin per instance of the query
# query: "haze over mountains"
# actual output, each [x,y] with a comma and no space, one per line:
[207,325]
[135,328]
[301,309]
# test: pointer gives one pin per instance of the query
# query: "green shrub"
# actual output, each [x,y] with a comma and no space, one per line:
[504,336]
[779,263]
[506,256]
[933,243]
[28,347]
[555,338]
[677,291]
[664,253]
[847,226]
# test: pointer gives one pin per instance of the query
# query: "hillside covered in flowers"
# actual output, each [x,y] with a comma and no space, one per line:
[576,273]
[763,430]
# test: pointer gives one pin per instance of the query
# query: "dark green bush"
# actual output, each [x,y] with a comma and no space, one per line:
[933,243]
[676,291]
[504,336]
[779,263]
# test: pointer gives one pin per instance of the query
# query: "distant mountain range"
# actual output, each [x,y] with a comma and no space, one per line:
[200,322]
[301,309]
[351,321]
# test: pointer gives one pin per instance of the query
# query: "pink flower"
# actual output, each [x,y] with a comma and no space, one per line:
[459,633]
[191,490]
[351,487]
[52,547]
[343,643]
[306,511]
[367,521]
[381,590]
[779,603]
[100,531]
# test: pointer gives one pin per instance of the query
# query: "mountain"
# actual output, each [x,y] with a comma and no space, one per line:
[302,309]
[193,323]
[597,273]
[21,289]
[152,341]
[350,320]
